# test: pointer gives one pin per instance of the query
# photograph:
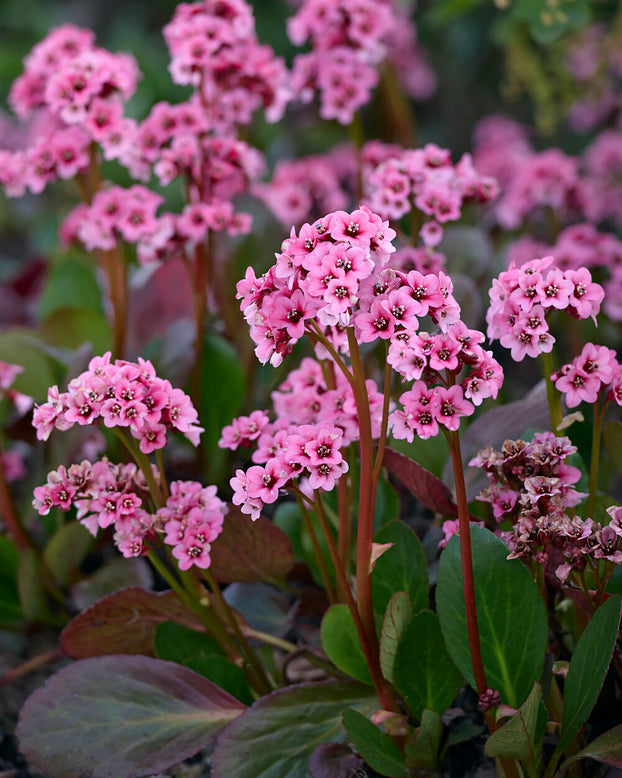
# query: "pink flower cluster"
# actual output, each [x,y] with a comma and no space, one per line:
[313,422]
[595,369]
[107,494]
[321,273]
[120,394]
[439,359]
[130,215]
[349,39]
[531,489]
[427,180]
[311,452]
[79,89]
[522,298]
[214,47]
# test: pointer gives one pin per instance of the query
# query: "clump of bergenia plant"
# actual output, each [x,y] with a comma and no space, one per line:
[310,571]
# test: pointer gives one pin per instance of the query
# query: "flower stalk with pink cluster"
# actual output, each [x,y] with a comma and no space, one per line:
[333,281]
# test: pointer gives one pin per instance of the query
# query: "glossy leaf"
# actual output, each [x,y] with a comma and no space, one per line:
[375,746]
[424,751]
[334,760]
[507,600]
[425,674]
[32,595]
[223,386]
[70,327]
[397,617]
[424,485]
[70,283]
[277,735]
[66,550]
[402,568]
[588,667]
[123,623]
[517,739]
[121,716]
[607,749]
[249,550]
[223,673]
[20,346]
[341,643]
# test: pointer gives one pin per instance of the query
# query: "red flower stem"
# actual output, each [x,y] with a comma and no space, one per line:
[370,649]
[365,531]
[467,565]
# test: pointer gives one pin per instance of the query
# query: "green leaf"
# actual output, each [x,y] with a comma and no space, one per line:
[121,716]
[397,617]
[196,650]
[119,573]
[517,738]
[401,568]
[424,751]
[124,623]
[277,735]
[376,747]
[32,593]
[547,21]
[588,667]
[507,600]
[223,386]
[70,327]
[66,550]
[249,550]
[612,438]
[20,347]
[607,749]
[10,607]
[425,674]
[341,643]
[223,673]
[71,283]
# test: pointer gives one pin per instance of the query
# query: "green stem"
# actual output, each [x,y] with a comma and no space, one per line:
[144,463]
[261,682]
[370,648]
[599,416]
[553,396]
[306,518]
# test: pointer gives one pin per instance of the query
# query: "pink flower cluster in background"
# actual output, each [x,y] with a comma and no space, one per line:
[349,39]
[522,298]
[120,394]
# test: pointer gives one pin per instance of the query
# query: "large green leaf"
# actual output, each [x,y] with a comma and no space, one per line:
[70,327]
[397,617]
[423,752]
[120,717]
[67,549]
[342,645]
[19,346]
[375,746]
[425,674]
[222,388]
[249,550]
[612,438]
[10,607]
[193,649]
[277,735]
[402,567]
[507,600]
[588,667]
[71,283]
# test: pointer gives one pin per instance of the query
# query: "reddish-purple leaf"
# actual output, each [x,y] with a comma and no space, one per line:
[249,550]
[424,485]
[120,717]
[124,623]
[334,760]
[607,749]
